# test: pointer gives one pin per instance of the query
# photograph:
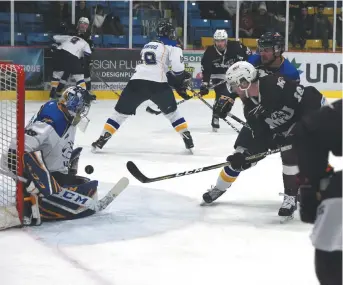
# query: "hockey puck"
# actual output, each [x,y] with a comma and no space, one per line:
[89,169]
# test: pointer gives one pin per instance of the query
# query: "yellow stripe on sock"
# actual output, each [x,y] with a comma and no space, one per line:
[109,129]
[227,178]
[54,83]
[181,127]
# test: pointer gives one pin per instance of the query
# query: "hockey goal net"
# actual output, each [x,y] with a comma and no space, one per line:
[12,102]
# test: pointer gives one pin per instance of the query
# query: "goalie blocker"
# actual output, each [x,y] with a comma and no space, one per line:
[43,199]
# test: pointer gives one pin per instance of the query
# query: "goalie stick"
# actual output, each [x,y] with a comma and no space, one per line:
[82,200]
[133,169]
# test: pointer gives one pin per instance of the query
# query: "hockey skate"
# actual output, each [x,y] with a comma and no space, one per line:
[100,142]
[215,124]
[212,195]
[288,207]
[187,138]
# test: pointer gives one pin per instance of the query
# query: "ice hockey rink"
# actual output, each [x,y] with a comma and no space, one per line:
[157,233]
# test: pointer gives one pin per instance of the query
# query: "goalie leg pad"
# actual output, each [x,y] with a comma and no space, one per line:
[37,172]
[59,208]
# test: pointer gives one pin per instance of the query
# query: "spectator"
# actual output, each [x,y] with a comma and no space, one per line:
[302,28]
[82,11]
[322,27]
[59,13]
[262,20]
[98,20]
[246,23]
[112,25]
[230,7]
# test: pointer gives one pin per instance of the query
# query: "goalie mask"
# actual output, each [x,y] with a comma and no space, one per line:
[77,101]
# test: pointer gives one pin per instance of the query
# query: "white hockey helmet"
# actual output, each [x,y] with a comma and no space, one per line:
[82,25]
[220,39]
[220,35]
[241,74]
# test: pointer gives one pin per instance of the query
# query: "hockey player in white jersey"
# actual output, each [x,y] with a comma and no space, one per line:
[150,82]
[50,161]
[67,57]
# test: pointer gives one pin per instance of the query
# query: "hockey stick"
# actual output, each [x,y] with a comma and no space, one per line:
[96,75]
[82,200]
[229,114]
[154,112]
[133,169]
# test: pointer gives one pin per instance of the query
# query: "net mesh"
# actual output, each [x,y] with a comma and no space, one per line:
[9,142]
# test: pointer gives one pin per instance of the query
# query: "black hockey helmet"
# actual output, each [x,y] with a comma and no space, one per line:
[166,29]
[274,40]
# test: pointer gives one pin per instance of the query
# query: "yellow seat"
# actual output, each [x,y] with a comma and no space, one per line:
[313,44]
[251,43]
[206,41]
[328,11]
[310,10]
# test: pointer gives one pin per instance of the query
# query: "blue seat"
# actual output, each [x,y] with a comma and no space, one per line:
[200,23]
[135,21]
[19,39]
[139,41]
[25,18]
[4,27]
[5,17]
[136,30]
[114,41]
[38,39]
[221,24]
[5,38]
[97,39]
[119,5]
[31,22]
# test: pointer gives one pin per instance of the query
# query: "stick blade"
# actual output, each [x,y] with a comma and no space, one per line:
[113,193]
[133,169]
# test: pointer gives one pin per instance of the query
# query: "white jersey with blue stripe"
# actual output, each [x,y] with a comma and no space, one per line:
[75,45]
[50,132]
[157,57]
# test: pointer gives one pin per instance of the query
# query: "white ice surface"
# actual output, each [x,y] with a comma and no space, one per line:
[158,234]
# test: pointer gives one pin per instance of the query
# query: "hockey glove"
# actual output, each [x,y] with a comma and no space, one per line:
[204,89]
[223,106]
[238,161]
[183,93]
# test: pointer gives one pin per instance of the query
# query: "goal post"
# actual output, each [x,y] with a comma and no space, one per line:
[12,124]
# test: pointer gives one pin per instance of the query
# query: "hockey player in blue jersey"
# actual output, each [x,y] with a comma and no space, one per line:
[50,162]
[269,59]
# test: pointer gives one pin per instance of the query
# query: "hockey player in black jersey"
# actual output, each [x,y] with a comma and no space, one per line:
[269,59]
[313,137]
[272,105]
[215,62]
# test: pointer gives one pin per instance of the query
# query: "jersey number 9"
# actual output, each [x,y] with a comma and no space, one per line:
[149,57]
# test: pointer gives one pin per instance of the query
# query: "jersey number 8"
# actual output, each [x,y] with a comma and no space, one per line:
[149,57]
